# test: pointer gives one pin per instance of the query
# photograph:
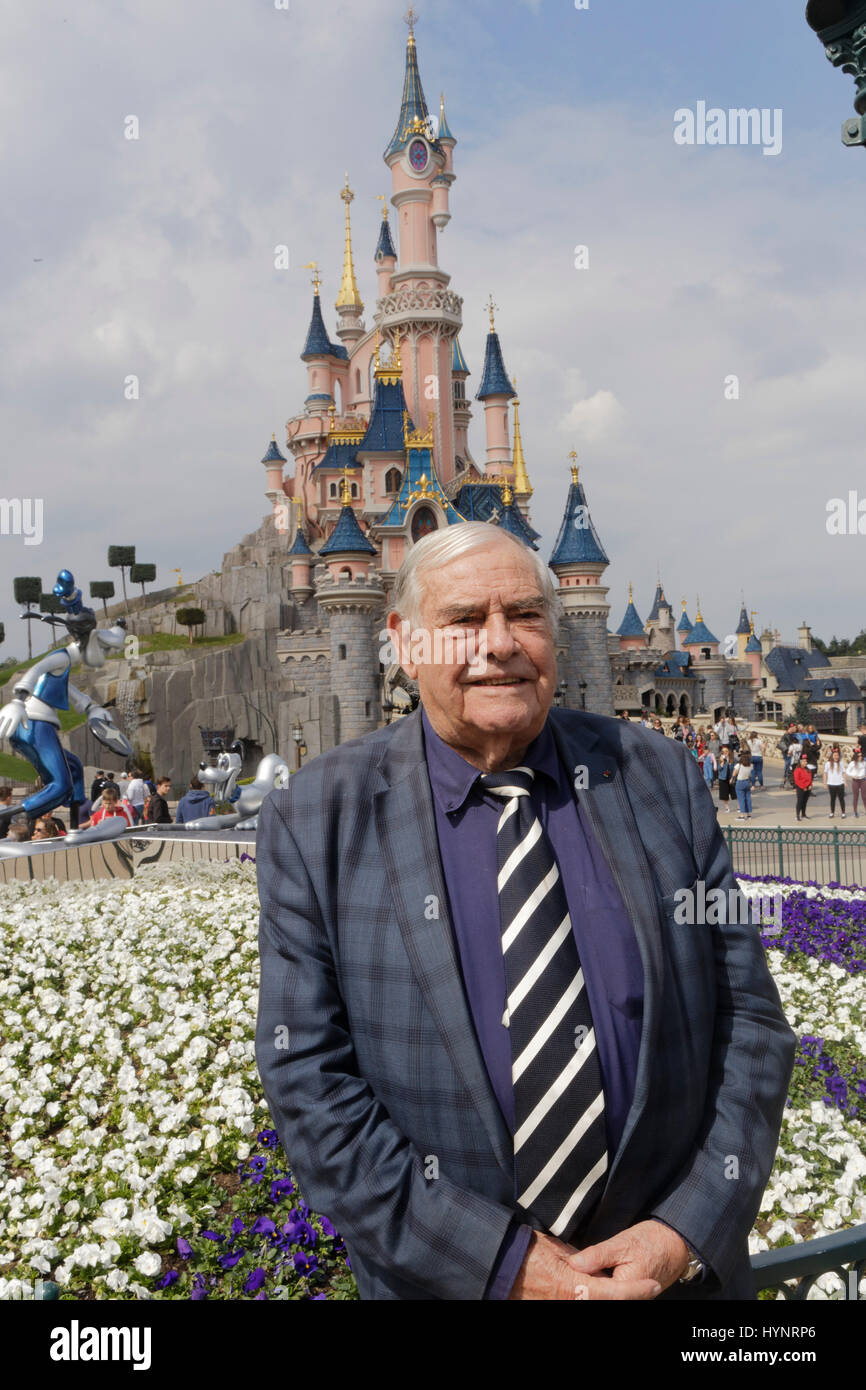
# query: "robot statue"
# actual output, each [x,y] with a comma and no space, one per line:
[30,720]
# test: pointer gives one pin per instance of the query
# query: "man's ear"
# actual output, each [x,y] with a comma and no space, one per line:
[400,632]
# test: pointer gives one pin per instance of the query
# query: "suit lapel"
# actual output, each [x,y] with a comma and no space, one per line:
[605,803]
[406,827]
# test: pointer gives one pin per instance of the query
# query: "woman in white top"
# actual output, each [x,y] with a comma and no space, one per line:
[834,779]
[856,772]
[756,749]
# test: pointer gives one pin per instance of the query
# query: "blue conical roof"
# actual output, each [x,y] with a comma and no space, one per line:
[458,361]
[414,116]
[444,131]
[577,542]
[385,245]
[299,544]
[273,455]
[511,520]
[754,645]
[744,625]
[494,379]
[631,625]
[699,635]
[347,536]
[657,601]
[479,502]
[685,623]
[318,343]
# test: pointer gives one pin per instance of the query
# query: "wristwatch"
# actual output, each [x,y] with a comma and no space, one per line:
[695,1267]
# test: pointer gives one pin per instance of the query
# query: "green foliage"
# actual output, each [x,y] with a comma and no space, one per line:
[843,646]
[27,589]
[190,618]
[14,769]
[802,708]
[50,603]
[142,574]
[121,556]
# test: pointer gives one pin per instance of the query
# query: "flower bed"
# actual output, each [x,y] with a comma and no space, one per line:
[136,1158]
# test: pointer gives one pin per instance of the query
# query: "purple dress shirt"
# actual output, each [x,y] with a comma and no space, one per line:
[466,820]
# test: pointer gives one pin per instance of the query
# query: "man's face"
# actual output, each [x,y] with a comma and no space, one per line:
[498,704]
[163,788]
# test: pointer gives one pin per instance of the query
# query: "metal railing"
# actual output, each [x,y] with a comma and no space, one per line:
[843,1254]
[825,856]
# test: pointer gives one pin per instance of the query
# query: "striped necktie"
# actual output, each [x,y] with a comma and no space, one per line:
[560,1148]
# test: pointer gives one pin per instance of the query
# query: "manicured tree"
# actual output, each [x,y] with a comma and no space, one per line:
[121,557]
[191,618]
[2,634]
[50,603]
[102,588]
[27,590]
[142,574]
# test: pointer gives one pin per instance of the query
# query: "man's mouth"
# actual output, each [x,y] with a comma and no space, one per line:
[499,680]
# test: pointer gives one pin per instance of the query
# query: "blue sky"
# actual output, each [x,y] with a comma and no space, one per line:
[155,257]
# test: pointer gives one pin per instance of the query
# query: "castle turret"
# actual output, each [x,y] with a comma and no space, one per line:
[352,599]
[302,558]
[700,640]
[743,630]
[630,631]
[684,626]
[326,361]
[495,391]
[579,561]
[522,485]
[754,653]
[385,255]
[274,461]
[349,305]
[511,519]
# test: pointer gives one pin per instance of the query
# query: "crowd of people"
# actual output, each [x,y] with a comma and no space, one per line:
[734,762]
[136,798]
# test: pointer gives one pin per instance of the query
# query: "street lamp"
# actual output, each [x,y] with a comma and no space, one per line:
[560,695]
[838,24]
[300,745]
[732,685]
[702,682]
[581,685]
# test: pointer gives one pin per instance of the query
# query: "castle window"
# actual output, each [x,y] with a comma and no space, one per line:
[393,480]
[423,522]
[332,490]
[358,380]
[355,490]
[366,709]
[341,652]
[458,391]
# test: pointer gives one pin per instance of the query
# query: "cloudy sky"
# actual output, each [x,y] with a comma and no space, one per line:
[155,257]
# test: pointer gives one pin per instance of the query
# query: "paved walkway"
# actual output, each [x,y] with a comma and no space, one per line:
[773,807]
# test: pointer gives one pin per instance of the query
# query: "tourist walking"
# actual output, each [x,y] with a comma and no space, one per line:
[856,774]
[743,785]
[136,795]
[803,786]
[709,769]
[834,781]
[157,812]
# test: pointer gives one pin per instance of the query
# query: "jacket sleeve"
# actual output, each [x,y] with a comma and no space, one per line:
[714,1200]
[352,1162]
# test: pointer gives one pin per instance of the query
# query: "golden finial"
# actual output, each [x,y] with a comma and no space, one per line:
[698,618]
[377,363]
[396,359]
[522,485]
[332,411]
[754,614]
[685,604]
[411,19]
[313,265]
[630,594]
[575,471]
[384,201]
[179,577]
[349,296]
[491,308]
[507,494]
[345,492]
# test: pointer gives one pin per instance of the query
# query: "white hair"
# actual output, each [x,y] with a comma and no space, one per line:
[441,547]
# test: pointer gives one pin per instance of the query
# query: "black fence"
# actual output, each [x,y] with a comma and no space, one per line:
[825,856]
[793,1269]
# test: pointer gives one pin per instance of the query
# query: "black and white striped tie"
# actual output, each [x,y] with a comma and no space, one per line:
[560,1148]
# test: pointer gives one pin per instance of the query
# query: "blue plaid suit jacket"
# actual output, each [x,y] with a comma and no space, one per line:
[366,1047]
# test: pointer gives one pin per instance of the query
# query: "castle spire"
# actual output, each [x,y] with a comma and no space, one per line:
[349,297]
[522,484]
[414,117]
[577,542]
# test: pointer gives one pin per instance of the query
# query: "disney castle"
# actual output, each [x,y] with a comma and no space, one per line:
[381,455]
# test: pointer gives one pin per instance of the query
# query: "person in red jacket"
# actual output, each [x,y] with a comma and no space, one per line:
[802,787]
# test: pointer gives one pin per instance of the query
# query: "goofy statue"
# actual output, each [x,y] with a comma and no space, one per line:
[30,720]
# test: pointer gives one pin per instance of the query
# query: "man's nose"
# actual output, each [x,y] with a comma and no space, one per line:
[500,642]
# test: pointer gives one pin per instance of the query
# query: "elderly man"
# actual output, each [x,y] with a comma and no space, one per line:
[497,1061]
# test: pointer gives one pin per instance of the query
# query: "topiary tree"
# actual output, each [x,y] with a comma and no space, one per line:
[27,590]
[102,588]
[142,574]
[190,618]
[121,557]
[50,603]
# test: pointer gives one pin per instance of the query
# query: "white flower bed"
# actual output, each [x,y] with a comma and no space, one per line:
[128,1076]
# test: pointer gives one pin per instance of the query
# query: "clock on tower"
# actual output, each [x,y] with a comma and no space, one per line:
[419,154]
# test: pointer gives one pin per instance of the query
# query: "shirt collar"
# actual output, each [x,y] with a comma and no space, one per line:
[452,778]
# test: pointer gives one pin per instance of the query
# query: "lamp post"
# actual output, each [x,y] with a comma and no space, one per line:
[300,745]
[560,694]
[703,685]
[732,685]
[581,685]
[841,27]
